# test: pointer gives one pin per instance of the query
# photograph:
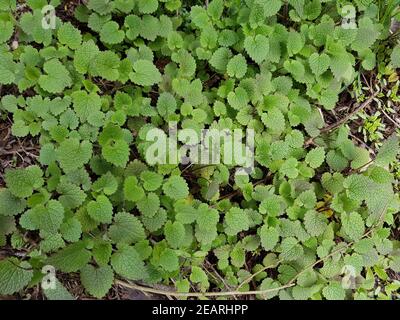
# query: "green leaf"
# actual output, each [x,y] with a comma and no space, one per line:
[361,158]
[388,151]
[73,154]
[58,293]
[151,180]
[289,168]
[101,209]
[100,6]
[149,28]
[174,233]
[395,56]
[206,228]
[358,187]
[97,281]
[132,191]
[127,263]
[274,120]
[199,17]
[237,66]
[271,7]
[166,104]
[111,34]
[14,275]
[85,104]
[291,249]
[7,68]
[71,258]
[257,47]
[47,218]
[31,24]
[169,260]
[145,73]
[126,229]
[220,59]
[236,220]
[155,222]
[149,204]
[105,64]
[147,6]
[295,43]
[334,291]
[10,205]
[22,182]
[176,188]
[57,77]
[116,152]
[269,237]
[69,35]
[102,252]
[71,229]
[71,196]
[199,276]
[185,213]
[315,223]
[238,99]
[367,34]
[315,157]
[8,29]
[353,225]
[319,63]
[84,55]
[107,184]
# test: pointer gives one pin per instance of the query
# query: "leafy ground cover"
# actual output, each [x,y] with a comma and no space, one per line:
[316,219]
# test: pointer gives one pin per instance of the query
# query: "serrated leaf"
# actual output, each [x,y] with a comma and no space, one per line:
[14,275]
[145,73]
[237,66]
[71,258]
[127,263]
[69,35]
[57,77]
[353,225]
[111,34]
[257,47]
[10,205]
[97,281]
[315,223]
[388,151]
[319,63]
[176,188]
[269,237]
[101,209]
[126,229]
[236,220]
[315,157]
[22,182]
[174,233]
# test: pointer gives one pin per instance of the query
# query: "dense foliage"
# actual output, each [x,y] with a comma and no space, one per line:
[315,206]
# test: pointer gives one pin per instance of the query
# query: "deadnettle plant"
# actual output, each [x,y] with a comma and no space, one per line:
[90,87]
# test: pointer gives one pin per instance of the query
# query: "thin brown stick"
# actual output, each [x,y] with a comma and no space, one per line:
[199,294]
[247,280]
[390,118]
[348,116]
